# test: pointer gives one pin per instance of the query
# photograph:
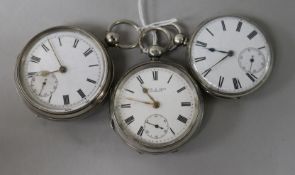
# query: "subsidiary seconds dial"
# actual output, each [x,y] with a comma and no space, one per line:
[230,56]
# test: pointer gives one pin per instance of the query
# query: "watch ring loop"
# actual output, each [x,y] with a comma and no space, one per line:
[117,42]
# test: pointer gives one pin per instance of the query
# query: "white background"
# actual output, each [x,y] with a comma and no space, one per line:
[254,135]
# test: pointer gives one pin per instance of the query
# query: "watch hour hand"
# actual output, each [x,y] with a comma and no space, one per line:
[215,50]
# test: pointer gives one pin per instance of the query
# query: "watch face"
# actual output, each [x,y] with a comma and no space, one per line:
[157,105]
[230,56]
[62,70]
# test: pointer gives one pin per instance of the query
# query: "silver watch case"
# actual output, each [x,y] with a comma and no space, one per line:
[46,113]
[161,148]
[206,86]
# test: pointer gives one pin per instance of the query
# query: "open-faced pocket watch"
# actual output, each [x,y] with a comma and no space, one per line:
[156,107]
[63,72]
[230,56]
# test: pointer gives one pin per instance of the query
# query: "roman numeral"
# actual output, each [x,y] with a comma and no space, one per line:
[49,100]
[169,79]
[129,91]
[59,40]
[155,75]
[261,47]
[94,65]
[81,93]
[172,131]
[239,27]
[182,119]
[66,99]
[91,81]
[237,84]
[76,43]
[186,103]
[202,44]
[31,74]
[251,76]
[221,80]
[35,59]
[252,34]
[209,31]
[181,89]
[206,72]
[140,79]
[200,59]
[126,106]
[45,47]
[223,25]
[140,131]
[88,52]
[129,120]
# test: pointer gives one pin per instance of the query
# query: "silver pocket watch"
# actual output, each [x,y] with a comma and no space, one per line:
[156,107]
[63,72]
[230,56]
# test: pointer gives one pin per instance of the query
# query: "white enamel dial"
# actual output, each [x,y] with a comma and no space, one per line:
[230,56]
[63,70]
[157,105]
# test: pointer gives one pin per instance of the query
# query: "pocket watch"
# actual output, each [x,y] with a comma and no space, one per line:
[230,56]
[156,107]
[63,72]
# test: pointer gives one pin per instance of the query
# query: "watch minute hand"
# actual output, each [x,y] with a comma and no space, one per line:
[216,63]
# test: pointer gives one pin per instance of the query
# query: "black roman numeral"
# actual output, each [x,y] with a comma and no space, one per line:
[223,25]
[59,40]
[182,119]
[186,103]
[181,89]
[252,34]
[237,84]
[45,47]
[49,100]
[239,27]
[88,52]
[200,59]
[126,106]
[172,131]
[76,43]
[94,65]
[202,44]
[206,72]
[81,93]
[128,90]
[221,80]
[35,59]
[251,76]
[169,79]
[31,74]
[129,120]
[140,79]
[66,99]
[209,31]
[155,75]
[91,81]
[140,131]
[261,47]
